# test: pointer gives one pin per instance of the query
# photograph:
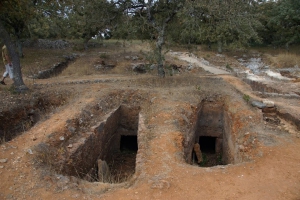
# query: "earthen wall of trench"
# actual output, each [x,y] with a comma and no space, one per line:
[103,142]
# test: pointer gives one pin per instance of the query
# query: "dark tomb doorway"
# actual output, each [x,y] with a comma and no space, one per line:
[128,143]
[207,144]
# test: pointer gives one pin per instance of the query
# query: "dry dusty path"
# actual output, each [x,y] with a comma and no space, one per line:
[194,60]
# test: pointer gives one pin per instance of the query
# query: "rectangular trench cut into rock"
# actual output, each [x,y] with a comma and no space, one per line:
[108,154]
[210,141]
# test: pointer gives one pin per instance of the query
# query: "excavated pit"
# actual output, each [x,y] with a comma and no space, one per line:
[212,133]
[264,90]
[261,87]
[109,153]
[23,115]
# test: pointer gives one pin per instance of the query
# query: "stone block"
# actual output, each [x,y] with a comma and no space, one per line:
[268,103]
[258,104]
[103,171]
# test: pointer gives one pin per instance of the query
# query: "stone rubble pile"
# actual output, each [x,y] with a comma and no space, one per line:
[46,44]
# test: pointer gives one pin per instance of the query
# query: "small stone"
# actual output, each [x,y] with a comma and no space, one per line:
[268,103]
[70,146]
[258,104]
[34,138]
[30,151]
[61,138]
[152,100]
[161,184]
[3,160]
[72,129]
[260,154]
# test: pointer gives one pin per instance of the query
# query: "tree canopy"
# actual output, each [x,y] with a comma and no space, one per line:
[224,22]
[281,21]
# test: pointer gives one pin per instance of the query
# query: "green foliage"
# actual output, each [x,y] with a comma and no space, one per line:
[16,14]
[198,87]
[219,159]
[87,18]
[231,24]
[229,67]
[281,20]
[104,56]
[12,90]
[222,22]
[246,98]
[204,160]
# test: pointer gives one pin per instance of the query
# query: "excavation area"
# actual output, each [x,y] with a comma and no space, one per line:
[108,153]
[190,135]
[212,140]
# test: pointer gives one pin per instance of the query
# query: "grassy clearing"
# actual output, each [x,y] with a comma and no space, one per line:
[40,59]
[280,57]
[111,51]
[283,60]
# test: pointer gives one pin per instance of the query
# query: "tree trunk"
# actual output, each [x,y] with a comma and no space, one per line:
[159,58]
[220,50]
[20,48]
[18,80]
[85,43]
[287,46]
[18,41]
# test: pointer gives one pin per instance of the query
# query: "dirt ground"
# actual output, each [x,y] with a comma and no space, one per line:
[265,163]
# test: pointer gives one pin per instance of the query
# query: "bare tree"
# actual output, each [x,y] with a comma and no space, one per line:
[18,80]
[156,14]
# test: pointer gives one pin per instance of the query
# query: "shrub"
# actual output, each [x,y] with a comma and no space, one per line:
[104,56]
[229,67]
[246,98]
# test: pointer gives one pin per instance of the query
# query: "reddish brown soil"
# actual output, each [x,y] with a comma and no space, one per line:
[269,166]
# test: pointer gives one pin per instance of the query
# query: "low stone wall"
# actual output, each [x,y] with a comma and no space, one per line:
[55,69]
[46,44]
[261,87]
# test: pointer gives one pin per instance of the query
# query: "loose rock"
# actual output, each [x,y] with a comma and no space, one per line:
[3,160]
[268,103]
[258,104]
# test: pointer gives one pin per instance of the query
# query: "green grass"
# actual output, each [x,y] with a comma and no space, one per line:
[204,160]
[229,67]
[246,98]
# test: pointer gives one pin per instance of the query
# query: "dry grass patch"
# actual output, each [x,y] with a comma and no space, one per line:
[283,60]
[82,66]
[40,59]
